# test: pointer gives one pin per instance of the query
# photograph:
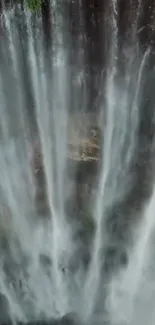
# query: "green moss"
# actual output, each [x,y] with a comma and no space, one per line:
[88,223]
[34,5]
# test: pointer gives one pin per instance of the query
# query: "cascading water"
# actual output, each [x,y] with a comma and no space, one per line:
[42,277]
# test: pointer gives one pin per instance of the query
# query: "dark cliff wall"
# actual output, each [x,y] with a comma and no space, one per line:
[91,22]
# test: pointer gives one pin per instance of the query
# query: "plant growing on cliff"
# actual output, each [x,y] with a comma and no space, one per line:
[88,223]
[34,5]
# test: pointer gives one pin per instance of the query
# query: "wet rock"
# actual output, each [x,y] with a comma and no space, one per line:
[45,263]
[115,257]
[4,309]
[68,319]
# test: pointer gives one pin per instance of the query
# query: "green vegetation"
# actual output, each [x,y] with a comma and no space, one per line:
[88,223]
[34,5]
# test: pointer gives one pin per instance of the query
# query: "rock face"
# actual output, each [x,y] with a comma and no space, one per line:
[4,310]
[82,166]
[69,319]
[84,137]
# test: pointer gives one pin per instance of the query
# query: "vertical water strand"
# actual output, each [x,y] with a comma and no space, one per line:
[134,116]
[121,304]
[128,107]
[135,108]
[16,209]
[43,121]
[127,129]
[110,114]
[142,290]
[14,49]
[94,275]
[77,54]
[81,73]
[47,115]
[127,86]
[8,206]
[6,184]
[142,249]
[60,107]
[14,311]
[17,144]
[136,9]
[127,286]
[43,115]
[7,196]
[58,97]
[139,255]
[139,8]
[60,101]
[128,124]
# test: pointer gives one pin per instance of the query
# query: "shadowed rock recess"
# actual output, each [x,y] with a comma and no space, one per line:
[65,320]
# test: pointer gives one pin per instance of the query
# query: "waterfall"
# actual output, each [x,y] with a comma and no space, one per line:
[52,264]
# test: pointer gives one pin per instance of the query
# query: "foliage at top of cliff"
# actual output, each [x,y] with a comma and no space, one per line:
[34,5]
